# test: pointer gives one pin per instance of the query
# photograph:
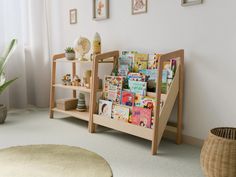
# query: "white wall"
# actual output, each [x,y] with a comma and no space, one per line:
[207,33]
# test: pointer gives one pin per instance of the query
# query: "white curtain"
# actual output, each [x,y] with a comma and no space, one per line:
[26,20]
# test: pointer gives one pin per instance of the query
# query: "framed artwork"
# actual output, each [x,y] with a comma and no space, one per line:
[100,9]
[139,6]
[191,2]
[73,16]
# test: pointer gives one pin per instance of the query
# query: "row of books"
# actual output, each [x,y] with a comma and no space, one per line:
[125,93]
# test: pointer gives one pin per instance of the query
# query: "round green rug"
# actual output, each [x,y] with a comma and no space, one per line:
[52,161]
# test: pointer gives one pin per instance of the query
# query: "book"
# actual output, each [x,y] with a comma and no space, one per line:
[127,98]
[140,62]
[105,108]
[121,113]
[153,61]
[125,65]
[141,116]
[148,103]
[129,55]
[151,75]
[113,88]
[138,100]
[136,77]
[138,87]
[164,85]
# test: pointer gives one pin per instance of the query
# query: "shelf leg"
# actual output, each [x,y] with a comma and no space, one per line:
[73,75]
[180,102]
[52,90]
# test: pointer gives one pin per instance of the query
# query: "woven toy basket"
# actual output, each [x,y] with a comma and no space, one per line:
[218,155]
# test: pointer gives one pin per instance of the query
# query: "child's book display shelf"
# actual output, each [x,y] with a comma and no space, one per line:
[161,115]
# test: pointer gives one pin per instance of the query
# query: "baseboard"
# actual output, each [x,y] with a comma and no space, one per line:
[186,139]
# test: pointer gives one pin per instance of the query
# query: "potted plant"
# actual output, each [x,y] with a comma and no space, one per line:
[70,53]
[3,83]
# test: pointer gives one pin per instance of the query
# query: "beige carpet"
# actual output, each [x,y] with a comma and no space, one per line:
[51,161]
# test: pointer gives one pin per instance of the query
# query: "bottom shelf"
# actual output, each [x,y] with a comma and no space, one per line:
[74,113]
[135,130]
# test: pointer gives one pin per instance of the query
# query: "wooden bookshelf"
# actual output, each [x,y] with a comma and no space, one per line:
[57,59]
[161,116]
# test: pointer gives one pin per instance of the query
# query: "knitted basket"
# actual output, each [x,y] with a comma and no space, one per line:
[218,156]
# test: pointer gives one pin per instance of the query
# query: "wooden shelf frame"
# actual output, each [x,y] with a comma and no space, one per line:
[74,113]
[161,115]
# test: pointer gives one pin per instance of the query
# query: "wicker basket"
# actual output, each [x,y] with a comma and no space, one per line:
[218,156]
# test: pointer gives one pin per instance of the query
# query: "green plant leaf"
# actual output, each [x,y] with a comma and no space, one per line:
[4,86]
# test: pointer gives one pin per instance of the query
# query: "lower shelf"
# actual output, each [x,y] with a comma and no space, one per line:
[131,129]
[74,113]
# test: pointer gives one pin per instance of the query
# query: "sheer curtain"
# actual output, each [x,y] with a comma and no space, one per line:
[26,20]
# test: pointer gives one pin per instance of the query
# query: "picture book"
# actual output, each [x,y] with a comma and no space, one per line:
[112,88]
[129,55]
[141,117]
[148,102]
[138,87]
[127,98]
[105,108]
[153,61]
[140,62]
[138,100]
[151,74]
[125,65]
[164,85]
[121,113]
[137,77]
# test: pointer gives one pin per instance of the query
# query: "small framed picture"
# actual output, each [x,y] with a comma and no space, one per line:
[73,16]
[190,2]
[139,6]
[100,9]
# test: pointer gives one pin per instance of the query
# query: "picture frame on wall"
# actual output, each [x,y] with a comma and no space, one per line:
[139,6]
[100,9]
[73,16]
[191,2]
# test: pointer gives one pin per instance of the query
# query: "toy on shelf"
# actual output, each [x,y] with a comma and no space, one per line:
[81,107]
[96,44]
[66,80]
[76,81]
[86,78]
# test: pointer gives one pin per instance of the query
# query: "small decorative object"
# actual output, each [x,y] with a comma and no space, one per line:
[100,9]
[87,75]
[3,113]
[96,44]
[82,46]
[81,107]
[70,53]
[67,104]
[218,155]
[190,2]
[76,81]
[66,80]
[139,6]
[73,16]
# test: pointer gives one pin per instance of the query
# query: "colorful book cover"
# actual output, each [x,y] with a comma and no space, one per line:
[105,108]
[153,61]
[127,98]
[125,65]
[113,84]
[148,103]
[140,62]
[164,85]
[151,74]
[121,113]
[141,117]
[138,100]
[138,87]
[129,55]
[137,77]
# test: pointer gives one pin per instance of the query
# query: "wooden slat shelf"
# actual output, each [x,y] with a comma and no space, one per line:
[74,113]
[71,61]
[82,89]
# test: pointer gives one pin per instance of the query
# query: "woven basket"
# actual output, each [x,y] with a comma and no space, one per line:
[218,156]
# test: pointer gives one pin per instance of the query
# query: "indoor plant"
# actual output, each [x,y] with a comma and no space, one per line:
[70,53]
[3,83]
